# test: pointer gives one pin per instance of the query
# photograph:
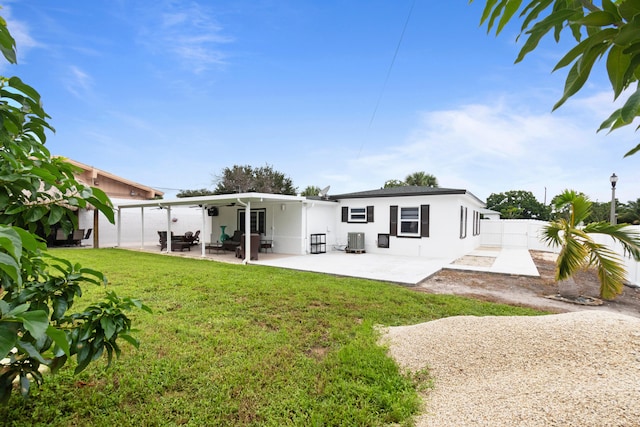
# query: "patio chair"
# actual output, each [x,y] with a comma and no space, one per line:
[61,237]
[192,238]
[196,238]
[180,245]
[163,239]
[77,236]
[255,247]
[177,243]
[233,242]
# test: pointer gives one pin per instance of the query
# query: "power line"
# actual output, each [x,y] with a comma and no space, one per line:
[386,80]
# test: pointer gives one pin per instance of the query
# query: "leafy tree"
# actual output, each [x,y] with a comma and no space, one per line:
[237,179]
[629,212]
[394,183]
[512,213]
[599,212]
[38,290]
[311,191]
[421,179]
[194,193]
[518,205]
[244,179]
[609,30]
[579,250]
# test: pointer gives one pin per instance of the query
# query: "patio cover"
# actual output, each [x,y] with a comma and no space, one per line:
[205,202]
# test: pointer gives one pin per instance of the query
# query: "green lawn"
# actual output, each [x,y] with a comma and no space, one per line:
[234,345]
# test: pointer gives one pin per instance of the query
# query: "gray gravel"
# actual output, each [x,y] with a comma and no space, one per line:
[572,369]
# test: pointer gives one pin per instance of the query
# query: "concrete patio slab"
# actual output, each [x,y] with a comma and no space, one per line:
[505,261]
[404,269]
[397,269]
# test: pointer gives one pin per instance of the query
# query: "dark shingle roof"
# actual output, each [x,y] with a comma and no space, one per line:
[411,190]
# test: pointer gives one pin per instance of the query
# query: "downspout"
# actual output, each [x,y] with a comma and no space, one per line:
[169,229]
[142,227]
[203,232]
[119,227]
[96,228]
[306,242]
[247,230]
[306,229]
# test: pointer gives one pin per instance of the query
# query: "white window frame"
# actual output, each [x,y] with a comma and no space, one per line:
[358,214]
[415,220]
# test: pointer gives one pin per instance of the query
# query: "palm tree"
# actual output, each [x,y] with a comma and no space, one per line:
[630,212]
[311,190]
[421,179]
[580,251]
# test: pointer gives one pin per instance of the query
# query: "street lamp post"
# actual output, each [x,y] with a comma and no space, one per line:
[613,179]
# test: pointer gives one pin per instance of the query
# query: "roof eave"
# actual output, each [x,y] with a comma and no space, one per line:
[214,200]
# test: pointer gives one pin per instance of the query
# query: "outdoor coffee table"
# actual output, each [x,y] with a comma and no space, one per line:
[214,246]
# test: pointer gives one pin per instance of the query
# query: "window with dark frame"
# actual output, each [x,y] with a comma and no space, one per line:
[258,220]
[357,214]
[360,214]
[463,222]
[409,221]
[476,223]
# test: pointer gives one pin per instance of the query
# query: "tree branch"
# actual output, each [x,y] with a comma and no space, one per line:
[588,4]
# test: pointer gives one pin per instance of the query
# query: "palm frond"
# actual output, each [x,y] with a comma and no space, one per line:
[572,257]
[611,271]
[565,198]
[627,236]
[581,209]
[579,206]
[552,233]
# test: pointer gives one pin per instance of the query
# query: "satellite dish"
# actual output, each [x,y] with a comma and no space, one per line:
[324,191]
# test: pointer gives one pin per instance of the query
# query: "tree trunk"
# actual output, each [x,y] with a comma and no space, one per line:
[568,288]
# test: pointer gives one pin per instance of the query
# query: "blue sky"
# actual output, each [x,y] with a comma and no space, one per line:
[168,93]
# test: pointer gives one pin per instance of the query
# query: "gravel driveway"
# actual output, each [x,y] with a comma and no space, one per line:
[571,369]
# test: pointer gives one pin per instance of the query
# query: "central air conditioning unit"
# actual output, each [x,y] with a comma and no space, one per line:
[355,242]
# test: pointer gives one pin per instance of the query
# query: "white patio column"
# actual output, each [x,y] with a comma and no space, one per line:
[142,227]
[202,233]
[119,226]
[247,233]
[168,229]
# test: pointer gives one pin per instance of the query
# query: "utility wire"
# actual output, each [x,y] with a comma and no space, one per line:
[386,80]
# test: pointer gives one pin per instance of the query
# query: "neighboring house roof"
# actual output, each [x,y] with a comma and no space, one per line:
[411,190]
[113,185]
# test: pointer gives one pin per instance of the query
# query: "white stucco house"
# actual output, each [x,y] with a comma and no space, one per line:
[408,221]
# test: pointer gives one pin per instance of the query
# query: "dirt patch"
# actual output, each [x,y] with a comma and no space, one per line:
[481,261]
[527,291]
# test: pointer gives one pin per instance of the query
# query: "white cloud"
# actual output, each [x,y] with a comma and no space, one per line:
[78,82]
[501,146]
[189,32]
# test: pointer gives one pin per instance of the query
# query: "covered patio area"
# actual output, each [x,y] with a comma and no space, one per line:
[279,221]
[228,257]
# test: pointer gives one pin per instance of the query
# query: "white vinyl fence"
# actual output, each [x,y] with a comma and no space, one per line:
[523,233]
